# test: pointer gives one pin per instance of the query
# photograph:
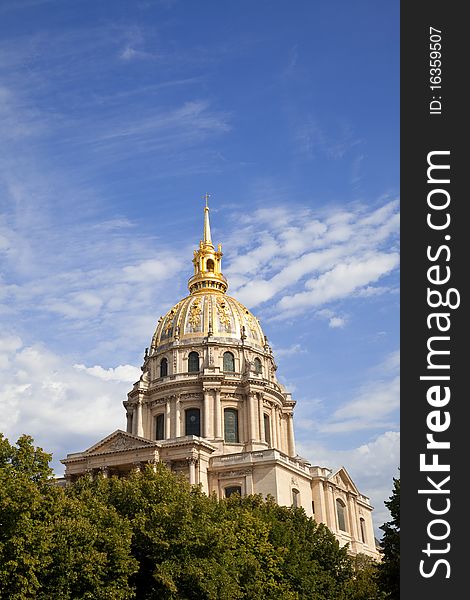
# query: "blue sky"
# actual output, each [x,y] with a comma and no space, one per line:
[115,119]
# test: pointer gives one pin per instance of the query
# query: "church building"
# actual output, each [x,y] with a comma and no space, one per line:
[208,404]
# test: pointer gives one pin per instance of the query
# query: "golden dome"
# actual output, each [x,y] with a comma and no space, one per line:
[207,312]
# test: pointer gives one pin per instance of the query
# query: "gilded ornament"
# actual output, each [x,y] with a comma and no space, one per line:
[224,314]
[195,314]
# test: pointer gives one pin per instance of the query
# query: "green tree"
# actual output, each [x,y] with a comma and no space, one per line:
[189,545]
[153,536]
[53,546]
[313,565]
[25,497]
[389,568]
[364,584]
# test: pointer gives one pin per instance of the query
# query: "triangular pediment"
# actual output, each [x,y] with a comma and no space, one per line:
[119,441]
[343,480]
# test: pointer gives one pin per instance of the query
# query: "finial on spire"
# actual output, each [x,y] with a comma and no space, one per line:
[207,227]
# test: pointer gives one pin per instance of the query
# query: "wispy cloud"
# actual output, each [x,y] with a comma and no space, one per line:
[311,139]
[372,466]
[291,350]
[371,407]
[304,261]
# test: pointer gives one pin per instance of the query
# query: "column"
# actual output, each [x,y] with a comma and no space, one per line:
[129,422]
[283,442]
[320,512]
[330,508]
[352,519]
[167,419]
[205,419]
[278,431]
[139,430]
[261,418]
[192,470]
[253,414]
[217,415]
[273,427]
[177,417]
[290,434]
[249,489]
[246,419]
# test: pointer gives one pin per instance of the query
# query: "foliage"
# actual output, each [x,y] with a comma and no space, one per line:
[389,568]
[153,536]
[54,546]
[364,584]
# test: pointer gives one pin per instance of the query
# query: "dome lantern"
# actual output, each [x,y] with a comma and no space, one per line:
[207,262]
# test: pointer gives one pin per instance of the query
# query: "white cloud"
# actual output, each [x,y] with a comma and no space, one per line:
[371,465]
[65,407]
[373,406]
[334,321]
[340,282]
[294,349]
[337,322]
[123,373]
[304,260]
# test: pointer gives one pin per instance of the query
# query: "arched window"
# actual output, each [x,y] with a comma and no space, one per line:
[341,512]
[231,425]
[163,367]
[258,367]
[210,265]
[193,421]
[295,498]
[363,530]
[229,362]
[267,430]
[233,489]
[160,427]
[193,362]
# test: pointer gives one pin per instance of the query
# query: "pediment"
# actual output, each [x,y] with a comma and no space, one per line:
[343,480]
[119,441]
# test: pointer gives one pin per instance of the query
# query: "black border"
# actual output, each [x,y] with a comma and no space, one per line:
[421,133]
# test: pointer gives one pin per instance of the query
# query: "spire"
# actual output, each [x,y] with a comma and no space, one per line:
[207,226]
[207,262]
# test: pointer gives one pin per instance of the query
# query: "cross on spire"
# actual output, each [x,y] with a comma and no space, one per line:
[206,198]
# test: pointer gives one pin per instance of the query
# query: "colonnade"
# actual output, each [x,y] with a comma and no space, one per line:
[259,420]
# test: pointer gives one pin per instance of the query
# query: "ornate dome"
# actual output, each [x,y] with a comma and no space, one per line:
[207,312]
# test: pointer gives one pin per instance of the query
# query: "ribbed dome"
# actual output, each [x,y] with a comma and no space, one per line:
[207,312]
[204,314]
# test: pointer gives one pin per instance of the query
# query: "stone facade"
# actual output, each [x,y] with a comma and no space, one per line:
[208,404]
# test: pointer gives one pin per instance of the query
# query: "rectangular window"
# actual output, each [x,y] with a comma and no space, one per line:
[160,427]
[193,421]
[231,425]
[267,430]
